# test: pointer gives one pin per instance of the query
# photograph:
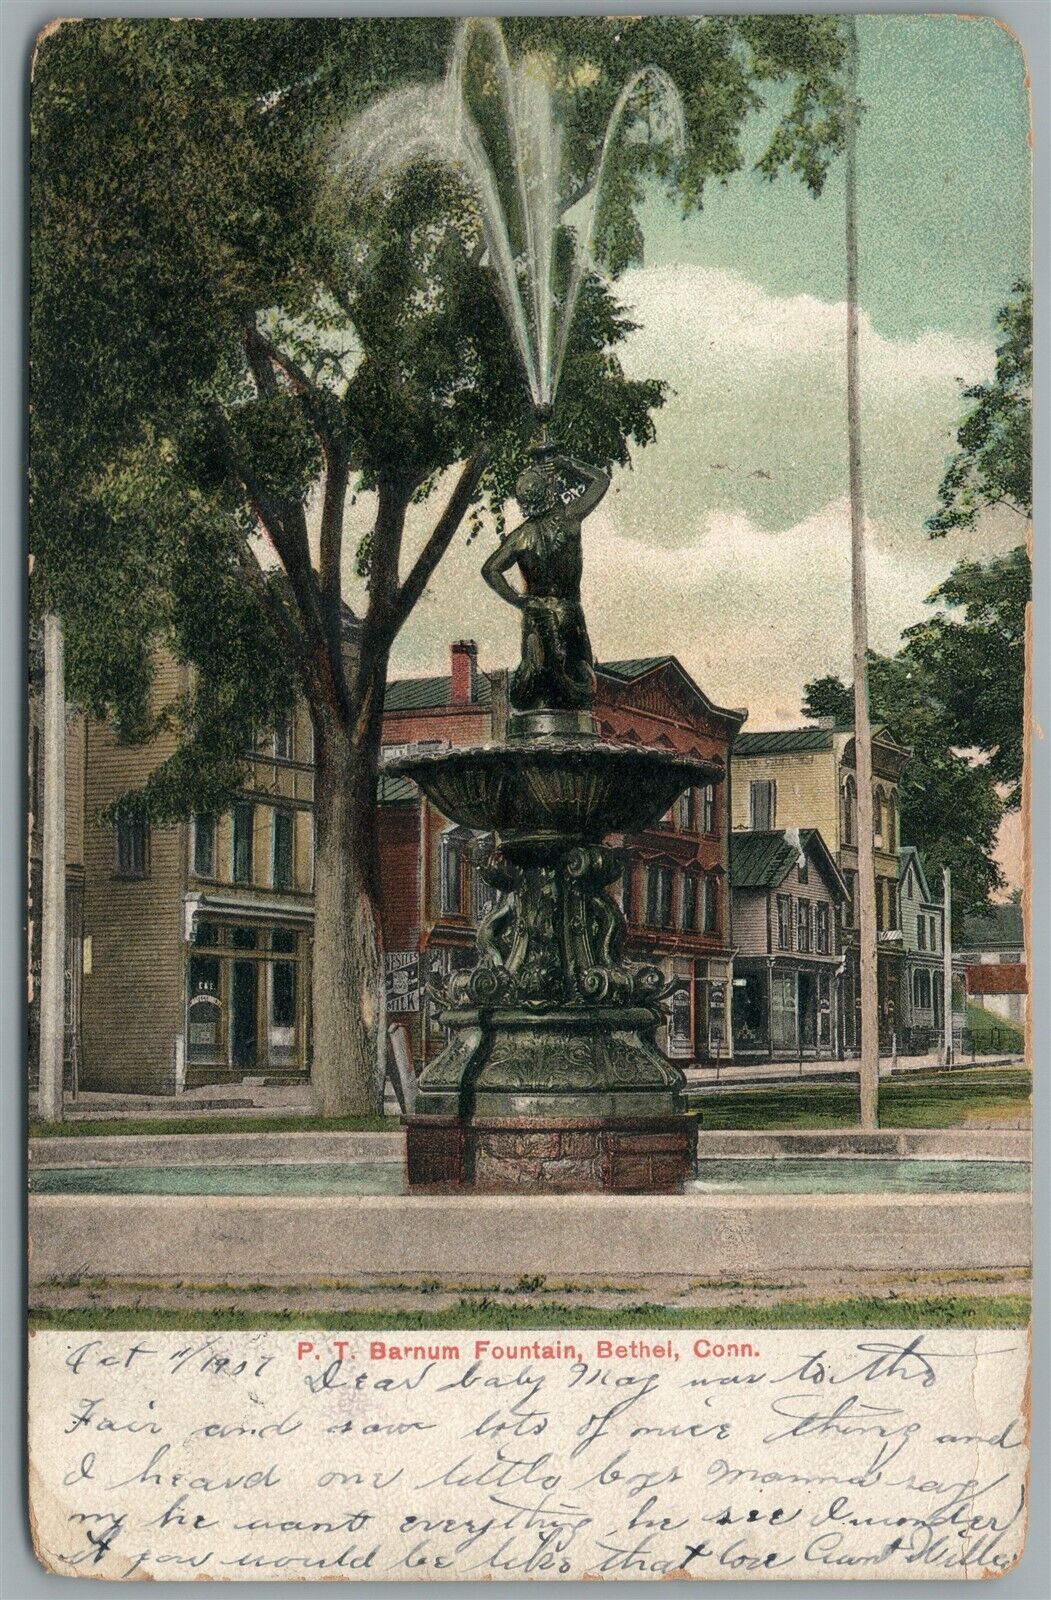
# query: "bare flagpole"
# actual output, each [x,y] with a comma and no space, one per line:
[868,1064]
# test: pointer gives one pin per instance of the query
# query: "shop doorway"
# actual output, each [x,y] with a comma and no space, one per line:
[243,1007]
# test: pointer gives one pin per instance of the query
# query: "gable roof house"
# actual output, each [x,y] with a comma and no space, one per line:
[788,895]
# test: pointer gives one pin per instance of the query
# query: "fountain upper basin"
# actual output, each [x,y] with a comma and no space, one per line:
[578,787]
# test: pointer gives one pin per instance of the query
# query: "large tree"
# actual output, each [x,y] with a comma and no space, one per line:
[993,463]
[225,350]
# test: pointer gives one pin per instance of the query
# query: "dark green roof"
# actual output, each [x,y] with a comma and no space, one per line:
[762,860]
[423,694]
[637,668]
[998,927]
[783,740]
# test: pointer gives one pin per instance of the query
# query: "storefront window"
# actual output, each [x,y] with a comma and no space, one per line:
[783,1010]
[243,997]
[749,1012]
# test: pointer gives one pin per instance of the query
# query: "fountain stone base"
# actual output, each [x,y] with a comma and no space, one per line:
[551,1079]
[582,1155]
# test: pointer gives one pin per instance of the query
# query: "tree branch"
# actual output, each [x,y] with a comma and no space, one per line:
[330,556]
[319,664]
[441,536]
[318,401]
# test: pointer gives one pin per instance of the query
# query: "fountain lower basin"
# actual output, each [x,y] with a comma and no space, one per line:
[552,1081]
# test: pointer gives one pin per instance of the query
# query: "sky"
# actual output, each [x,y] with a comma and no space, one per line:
[727,542]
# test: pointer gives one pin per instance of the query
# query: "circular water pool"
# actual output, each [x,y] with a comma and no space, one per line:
[726,1176]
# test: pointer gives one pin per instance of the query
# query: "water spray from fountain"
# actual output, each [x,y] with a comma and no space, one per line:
[520,199]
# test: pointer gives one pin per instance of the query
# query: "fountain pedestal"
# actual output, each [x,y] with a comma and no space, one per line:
[552,1079]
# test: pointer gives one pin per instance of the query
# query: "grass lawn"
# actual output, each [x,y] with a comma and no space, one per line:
[92,1129]
[946,1311]
[990,1033]
[911,1100]
[935,1100]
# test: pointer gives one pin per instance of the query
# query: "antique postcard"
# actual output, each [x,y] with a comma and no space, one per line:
[528,959]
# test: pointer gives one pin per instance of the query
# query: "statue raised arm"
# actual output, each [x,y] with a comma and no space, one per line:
[557,667]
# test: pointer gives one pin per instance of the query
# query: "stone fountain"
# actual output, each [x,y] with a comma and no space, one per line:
[552,1079]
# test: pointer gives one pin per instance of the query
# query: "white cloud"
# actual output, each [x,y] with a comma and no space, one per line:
[757,417]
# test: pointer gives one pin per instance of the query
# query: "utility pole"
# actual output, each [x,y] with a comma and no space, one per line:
[53,895]
[868,1062]
[947,963]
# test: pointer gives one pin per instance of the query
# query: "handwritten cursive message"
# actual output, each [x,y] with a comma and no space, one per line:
[807,1454]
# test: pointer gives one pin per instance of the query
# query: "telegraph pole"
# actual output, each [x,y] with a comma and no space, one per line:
[53,872]
[947,963]
[868,1063]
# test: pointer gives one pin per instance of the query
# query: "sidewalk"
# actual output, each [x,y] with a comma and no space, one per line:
[732,1072]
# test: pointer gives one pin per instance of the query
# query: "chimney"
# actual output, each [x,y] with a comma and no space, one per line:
[464,666]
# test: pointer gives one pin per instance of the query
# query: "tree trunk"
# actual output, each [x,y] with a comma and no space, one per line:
[349,1031]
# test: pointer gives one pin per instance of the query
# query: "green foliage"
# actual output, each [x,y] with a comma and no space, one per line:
[993,466]
[975,666]
[954,695]
[184,208]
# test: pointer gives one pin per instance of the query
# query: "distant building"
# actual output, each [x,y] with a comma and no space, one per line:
[922,1010]
[989,953]
[805,778]
[788,897]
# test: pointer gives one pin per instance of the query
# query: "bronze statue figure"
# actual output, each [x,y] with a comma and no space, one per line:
[557,667]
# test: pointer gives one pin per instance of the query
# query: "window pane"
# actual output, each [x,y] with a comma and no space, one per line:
[283,994]
[282,850]
[451,859]
[784,922]
[204,846]
[708,808]
[131,847]
[283,740]
[761,794]
[205,933]
[242,844]
[243,938]
[283,939]
[665,896]
[688,912]
[711,902]
[626,886]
